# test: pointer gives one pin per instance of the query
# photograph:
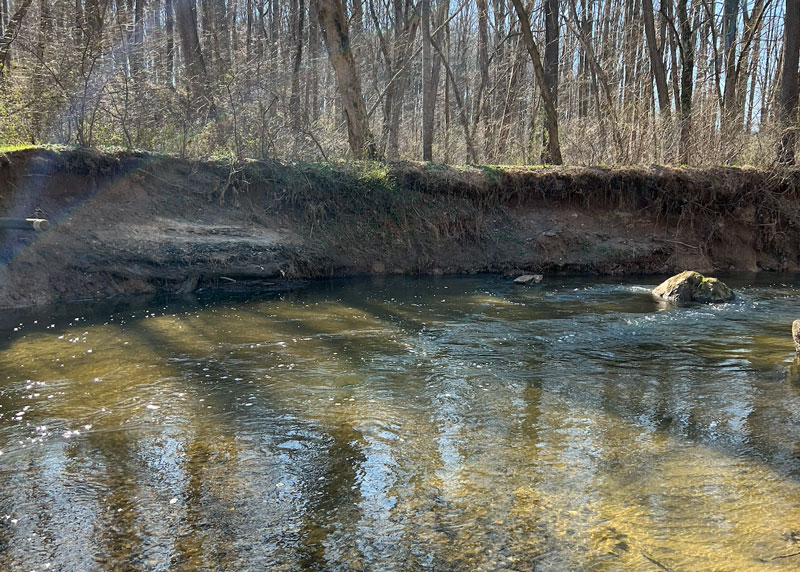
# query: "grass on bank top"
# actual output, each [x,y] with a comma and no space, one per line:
[19,147]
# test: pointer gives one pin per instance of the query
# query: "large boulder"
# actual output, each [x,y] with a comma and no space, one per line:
[690,286]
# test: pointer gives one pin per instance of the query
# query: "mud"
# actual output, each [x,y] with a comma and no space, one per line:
[130,223]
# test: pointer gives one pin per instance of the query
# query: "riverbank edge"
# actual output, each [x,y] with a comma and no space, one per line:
[131,223]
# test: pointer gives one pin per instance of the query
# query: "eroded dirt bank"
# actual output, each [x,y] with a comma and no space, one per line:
[135,223]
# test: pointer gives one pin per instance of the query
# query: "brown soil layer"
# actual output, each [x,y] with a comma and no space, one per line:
[128,223]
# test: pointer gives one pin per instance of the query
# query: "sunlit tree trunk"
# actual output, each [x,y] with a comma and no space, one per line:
[10,33]
[552,152]
[656,58]
[687,81]
[337,39]
[551,34]
[730,13]
[789,83]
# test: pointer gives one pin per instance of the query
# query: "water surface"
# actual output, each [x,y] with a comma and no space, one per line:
[444,424]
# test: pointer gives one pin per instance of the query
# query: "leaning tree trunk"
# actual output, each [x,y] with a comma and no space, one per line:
[789,83]
[656,58]
[334,26]
[551,153]
[11,32]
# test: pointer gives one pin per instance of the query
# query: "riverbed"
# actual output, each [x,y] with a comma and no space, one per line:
[404,423]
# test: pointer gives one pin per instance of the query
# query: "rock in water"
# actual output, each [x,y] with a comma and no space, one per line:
[528,279]
[796,335]
[793,371]
[690,286]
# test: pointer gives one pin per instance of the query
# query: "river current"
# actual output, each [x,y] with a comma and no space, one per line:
[393,424]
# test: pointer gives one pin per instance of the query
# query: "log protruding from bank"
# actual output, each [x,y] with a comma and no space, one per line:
[39,224]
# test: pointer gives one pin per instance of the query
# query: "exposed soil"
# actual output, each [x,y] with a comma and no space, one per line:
[128,223]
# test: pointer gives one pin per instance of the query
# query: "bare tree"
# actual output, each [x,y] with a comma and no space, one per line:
[612,81]
[428,90]
[789,82]
[552,152]
[196,74]
[11,33]
[551,34]
[337,39]
[687,46]
[656,57]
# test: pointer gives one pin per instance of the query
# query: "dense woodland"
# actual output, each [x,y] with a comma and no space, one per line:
[452,81]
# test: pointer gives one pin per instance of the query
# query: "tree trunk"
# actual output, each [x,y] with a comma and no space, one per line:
[335,31]
[427,91]
[462,113]
[223,35]
[604,82]
[11,33]
[552,152]
[481,110]
[730,12]
[194,63]
[551,33]
[95,15]
[436,66]
[136,46]
[79,23]
[169,30]
[515,79]
[313,108]
[45,32]
[747,63]
[656,58]
[789,83]
[294,99]
[687,81]
[248,38]
[405,35]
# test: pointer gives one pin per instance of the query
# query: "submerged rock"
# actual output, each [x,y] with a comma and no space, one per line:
[528,279]
[690,286]
[796,335]
[793,371]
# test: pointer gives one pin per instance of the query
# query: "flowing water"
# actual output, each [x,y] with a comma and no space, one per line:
[447,424]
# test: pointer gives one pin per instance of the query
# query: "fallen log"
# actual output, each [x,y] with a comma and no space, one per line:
[25,223]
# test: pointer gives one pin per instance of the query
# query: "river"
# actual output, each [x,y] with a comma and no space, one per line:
[401,423]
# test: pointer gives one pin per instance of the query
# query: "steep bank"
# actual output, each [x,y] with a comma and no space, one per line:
[134,223]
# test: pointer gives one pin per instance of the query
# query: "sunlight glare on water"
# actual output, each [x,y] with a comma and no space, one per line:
[401,423]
